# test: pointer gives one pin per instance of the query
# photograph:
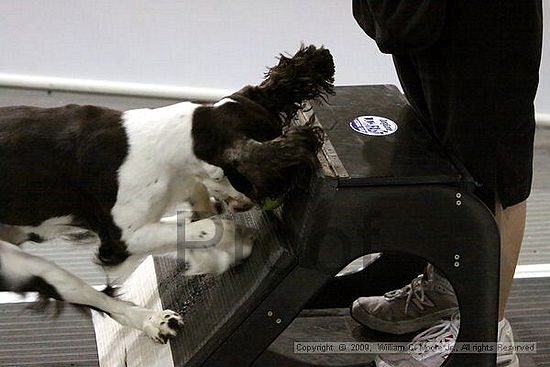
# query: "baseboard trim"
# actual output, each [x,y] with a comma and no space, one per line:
[112,88]
[137,89]
[532,271]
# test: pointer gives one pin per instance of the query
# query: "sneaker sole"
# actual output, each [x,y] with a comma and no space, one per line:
[404,326]
[513,363]
[381,363]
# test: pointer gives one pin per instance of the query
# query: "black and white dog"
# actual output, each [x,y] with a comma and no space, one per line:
[116,173]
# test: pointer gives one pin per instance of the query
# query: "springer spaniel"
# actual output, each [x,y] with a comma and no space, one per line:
[116,173]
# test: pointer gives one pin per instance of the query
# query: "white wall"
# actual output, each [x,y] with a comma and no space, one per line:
[203,43]
[207,43]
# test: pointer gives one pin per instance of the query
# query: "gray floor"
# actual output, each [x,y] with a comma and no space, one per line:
[31,338]
[28,339]
[528,311]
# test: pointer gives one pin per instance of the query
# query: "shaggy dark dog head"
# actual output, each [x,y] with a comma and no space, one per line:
[249,134]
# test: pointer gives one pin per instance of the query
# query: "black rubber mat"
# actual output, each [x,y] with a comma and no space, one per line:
[212,306]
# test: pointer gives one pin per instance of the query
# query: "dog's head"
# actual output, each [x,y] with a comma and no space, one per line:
[248,134]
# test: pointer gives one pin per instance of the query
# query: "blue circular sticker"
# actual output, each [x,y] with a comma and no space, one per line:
[373,125]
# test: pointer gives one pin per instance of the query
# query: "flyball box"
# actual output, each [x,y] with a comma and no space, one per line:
[382,184]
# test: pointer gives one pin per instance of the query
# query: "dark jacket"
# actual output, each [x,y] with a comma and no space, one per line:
[400,26]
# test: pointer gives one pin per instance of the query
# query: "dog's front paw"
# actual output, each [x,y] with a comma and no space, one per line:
[242,248]
[163,325]
[236,242]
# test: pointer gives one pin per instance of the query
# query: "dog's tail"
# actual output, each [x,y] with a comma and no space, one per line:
[307,75]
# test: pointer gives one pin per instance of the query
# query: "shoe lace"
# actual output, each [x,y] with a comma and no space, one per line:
[437,340]
[413,290]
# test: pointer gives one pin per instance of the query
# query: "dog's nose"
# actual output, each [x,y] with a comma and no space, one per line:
[239,205]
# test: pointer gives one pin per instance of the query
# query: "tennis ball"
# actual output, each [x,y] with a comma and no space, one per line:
[272,203]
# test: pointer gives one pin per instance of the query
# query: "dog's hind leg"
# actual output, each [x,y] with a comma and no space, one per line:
[22,272]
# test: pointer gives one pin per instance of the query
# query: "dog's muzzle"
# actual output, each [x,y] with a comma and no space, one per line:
[239,205]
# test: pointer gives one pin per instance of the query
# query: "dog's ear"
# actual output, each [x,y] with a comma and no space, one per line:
[307,75]
[268,165]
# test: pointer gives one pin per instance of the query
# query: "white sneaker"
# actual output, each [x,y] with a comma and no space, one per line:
[445,332]
[506,335]
[419,305]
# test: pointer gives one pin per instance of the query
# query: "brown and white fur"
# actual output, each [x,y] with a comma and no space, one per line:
[117,173]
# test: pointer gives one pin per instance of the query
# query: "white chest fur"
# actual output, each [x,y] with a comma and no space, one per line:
[160,166]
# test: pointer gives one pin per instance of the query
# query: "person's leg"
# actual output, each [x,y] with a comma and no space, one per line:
[481,108]
[476,95]
[511,223]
